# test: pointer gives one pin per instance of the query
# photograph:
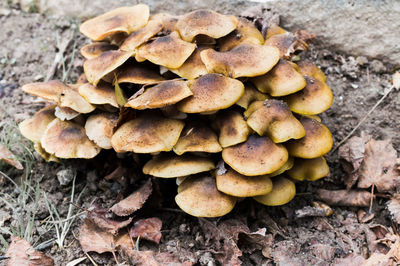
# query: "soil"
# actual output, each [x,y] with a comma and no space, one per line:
[27,52]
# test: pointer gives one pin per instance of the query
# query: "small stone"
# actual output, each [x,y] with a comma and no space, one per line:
[361,60]
[377,66]
[65,176]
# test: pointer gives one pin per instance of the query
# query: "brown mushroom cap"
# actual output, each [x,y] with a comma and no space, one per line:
[45,155]
[206,22]
[93,50]
[317,141]
[163,94]
[170,166]
[235,184]
[167,20]
[137,38]
[274,29]
[308,68]
[34,127]
[147,134]
[65,139]
[309,169]
[314,99]
[232,127]
[283,79]
[275,120]
[103,93]
[245,60]
[120,20]
[137,74]
[284,42]
[283,191]
[254,106]
[169,51]
[250,95]
[288,165]
[65,113]
[81,79]
[193,66]
[211,92]
[256,156]
[100,128]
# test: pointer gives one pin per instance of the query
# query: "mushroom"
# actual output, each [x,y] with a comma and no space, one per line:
[101,94]
[93,50]
[254,106]
[288,165]
[100,128]
[274,29]
[250,95]
[287,43]
[167,20]
[283,191]
[308,68]
[141,36]
[34,127]
[309,169]
[193,66]
[137,74]
[233,129]
[45,155]
[65,113]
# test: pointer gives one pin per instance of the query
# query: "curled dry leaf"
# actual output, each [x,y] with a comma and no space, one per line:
[20,252]
[9,158]
[99,217]
[149,229]
[394,208]
[93,238]
[318,209]
[357,198]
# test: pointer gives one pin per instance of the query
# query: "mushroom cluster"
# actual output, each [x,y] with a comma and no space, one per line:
[210,100]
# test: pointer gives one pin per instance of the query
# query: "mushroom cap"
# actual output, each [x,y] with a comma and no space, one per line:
[317,141]
[66,139]
[197,137]
[201,198]
[163,94]
[274,29]
[96,68]
[100,128]
[256,156]
[81,79]
[167,20]
[120,20]
[283,79]
[254,106]
[235,184]
[103,93]
[233,129]
[137,74]
[137,38]
[275,120]
[284,42]
[309,169]
[193,66]
[211,92]
[308,68]
[34,127]
[288,165]
[46,156]
[147,134]
[169,51]
[170,165]
[65,113]
[250,95]
[93,50]
[314,99]
[245,60]
[63,95]
[283,191]
[206,22]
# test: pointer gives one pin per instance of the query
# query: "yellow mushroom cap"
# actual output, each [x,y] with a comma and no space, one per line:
[256,156]
[34,127]
[309,169]
[314,99]
[193,66]
[163,94]
[288,165]
[206,22]
[235,184]
[170,166]
[100,128]
[283,191]
[45,155]
[120,20]
[103,93]
[137,74]
[317,141]
[250,95]
[283,79]
[141,36]
[65,139]
[233,129]
[169,51]
[245,60]
[254,106]
[147,134]
[167,20]
[275,120]
[211,92]
[93,50]
[308,68]
[201,198]
[274,29]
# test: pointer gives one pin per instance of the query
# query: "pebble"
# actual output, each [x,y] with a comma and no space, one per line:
[65,176]
[361,60]
[377,66]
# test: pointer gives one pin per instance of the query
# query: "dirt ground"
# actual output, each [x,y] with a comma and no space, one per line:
[27,52]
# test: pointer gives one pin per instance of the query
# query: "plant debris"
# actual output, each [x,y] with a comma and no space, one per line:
[100,217]
[149,229]
[356,198]
[20,252]
[9,158]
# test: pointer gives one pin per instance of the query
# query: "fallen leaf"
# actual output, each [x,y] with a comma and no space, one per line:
[396,80]
[357,198]
[93,238]
[152,258]
[149,229]
[394,208]
[9,158]
[318,209]
[364,217]
[99,217]
[21,253]
[134,201]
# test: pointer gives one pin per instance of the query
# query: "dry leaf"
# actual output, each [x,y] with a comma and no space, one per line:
[355,198]
[93,238]
[151,258]
[134,201]
[396,80]
[99,217]
[394,208]
[318,209]
[8,157]
[21,253]
[149,229]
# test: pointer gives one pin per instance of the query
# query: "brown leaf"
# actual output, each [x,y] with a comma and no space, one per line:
[99,217]
[149,229]
[134,201]
[344,197]
[396,80]
[8,157]
[151,258]
[394,208]
[21,253]
[93,238]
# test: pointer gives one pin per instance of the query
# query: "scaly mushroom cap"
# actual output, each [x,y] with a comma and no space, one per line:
[170,165]
[65,113]
[137,38]
[34,127]
[314,99]
[317,141]
[288,165]
[163,94]
[275,120]
[232,127]
[93,50]
[211,92]
[100,128]
[201,198]
[104,93]
[120,20]
[197,137]
[96,68]
[308,68]
[147,134]
[283,191]
[206,22]
[45,155]
[193,66]
[235,184]
[283,79]
[137,74]
[63,95]
[254,106]
[169,51]
[250,95]
[167,20]
[309,169]
[256,156]
[246,32]
[65,139]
